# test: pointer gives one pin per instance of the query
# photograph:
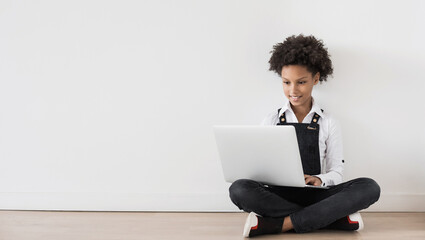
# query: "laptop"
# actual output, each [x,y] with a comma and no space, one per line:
[267,154]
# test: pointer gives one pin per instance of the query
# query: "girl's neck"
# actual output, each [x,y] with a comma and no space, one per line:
[302,110]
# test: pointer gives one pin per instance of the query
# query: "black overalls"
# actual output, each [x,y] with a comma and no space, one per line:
[308,143]
[309,208]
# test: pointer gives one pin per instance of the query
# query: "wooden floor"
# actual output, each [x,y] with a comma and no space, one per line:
[45,225]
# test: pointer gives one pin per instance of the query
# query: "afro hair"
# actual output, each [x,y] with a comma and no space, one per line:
[302,50]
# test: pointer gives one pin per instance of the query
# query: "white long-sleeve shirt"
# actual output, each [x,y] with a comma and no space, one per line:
[330,140]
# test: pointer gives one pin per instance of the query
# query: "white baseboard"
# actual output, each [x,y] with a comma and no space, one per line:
[399,202]
[202,202]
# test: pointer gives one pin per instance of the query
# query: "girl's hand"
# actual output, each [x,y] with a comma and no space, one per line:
[312,180]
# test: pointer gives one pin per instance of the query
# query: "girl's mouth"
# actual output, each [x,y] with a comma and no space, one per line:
[295,98]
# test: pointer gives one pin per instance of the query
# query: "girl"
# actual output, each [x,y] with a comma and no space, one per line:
[302,62]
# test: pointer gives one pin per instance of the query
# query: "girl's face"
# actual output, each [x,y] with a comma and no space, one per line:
[298,84]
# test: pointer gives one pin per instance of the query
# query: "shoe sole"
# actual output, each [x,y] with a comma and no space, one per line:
[251,221]
[356,217]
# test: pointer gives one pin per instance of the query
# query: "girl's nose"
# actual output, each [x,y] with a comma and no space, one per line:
[293,89]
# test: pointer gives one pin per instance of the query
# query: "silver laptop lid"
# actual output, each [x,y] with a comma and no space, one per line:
[267,154]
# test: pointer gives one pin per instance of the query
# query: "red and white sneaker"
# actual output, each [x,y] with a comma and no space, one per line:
[258,225]
[352,222]
[356,218]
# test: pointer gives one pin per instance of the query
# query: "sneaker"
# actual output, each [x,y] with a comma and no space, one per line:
[352,222]
[258,225]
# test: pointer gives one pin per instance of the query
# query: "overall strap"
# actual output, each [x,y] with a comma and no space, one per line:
[313,124]
[282,118]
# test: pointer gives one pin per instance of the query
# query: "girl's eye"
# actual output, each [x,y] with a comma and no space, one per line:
[302,82]
[286,83]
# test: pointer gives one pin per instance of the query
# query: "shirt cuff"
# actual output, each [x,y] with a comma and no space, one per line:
[323,179]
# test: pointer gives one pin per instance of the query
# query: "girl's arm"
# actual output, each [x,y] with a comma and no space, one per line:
[334,159]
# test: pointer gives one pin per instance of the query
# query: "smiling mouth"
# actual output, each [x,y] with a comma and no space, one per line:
[295,98]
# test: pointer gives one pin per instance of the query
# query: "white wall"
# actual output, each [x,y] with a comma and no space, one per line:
[108,105]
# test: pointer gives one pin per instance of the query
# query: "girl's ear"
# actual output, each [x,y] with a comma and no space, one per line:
[316,78]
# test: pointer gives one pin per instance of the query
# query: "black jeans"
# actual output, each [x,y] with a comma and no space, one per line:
[308,208]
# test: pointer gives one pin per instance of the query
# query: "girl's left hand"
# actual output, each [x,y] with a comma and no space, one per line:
[312,180]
